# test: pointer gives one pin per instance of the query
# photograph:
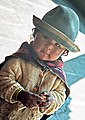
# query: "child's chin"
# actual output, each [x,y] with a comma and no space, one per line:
[43,57]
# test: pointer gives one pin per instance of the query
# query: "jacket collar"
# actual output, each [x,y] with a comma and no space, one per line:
[26,52]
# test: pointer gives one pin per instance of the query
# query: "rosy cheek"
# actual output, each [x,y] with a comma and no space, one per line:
[37,49]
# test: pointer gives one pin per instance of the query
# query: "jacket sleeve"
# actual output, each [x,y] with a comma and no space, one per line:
[59,96]
[8,80]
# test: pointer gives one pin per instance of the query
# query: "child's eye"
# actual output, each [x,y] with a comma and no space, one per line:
[58,45]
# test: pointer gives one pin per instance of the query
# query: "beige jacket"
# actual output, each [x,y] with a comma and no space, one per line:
[18,74]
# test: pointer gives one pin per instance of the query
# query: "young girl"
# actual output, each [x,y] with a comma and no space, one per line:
[32,82]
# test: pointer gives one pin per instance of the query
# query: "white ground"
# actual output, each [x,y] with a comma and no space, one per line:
[15,27]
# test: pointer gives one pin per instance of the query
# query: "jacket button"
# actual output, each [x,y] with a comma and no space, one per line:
[35,88]
[41,75]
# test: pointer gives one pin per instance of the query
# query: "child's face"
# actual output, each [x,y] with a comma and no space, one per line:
[46,48]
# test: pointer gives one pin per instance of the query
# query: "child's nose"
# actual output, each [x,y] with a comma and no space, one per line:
[49,47]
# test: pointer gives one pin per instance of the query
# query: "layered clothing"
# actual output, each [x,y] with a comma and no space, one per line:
[23,70]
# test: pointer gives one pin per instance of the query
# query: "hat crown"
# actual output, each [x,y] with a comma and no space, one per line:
[64,19]
[61,24]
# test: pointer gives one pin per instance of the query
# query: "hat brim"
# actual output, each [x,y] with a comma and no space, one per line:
[55,34]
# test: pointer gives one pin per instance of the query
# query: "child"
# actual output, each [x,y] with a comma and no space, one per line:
[32,82]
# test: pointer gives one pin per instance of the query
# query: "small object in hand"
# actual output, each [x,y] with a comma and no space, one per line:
[43,97]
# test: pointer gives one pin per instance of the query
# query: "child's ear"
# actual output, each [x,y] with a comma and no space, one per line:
[65,53]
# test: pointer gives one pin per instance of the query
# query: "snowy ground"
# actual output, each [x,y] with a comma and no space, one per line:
[15,27]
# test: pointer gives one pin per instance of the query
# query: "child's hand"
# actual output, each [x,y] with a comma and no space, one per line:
[46,99]
[29,99]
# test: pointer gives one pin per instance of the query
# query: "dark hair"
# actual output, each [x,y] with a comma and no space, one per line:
[35,30]
[65,53]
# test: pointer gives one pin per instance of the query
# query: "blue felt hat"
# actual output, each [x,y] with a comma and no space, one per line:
[61,24]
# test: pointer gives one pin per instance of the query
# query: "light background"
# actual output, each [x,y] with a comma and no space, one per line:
[16,27]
